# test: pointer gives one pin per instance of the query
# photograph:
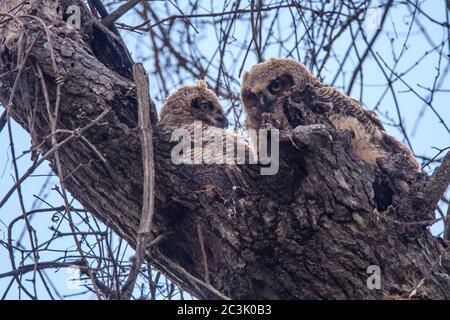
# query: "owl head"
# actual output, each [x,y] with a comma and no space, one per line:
[266,81]
[191,103]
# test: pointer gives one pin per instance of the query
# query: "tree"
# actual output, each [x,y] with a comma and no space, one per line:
[314,230]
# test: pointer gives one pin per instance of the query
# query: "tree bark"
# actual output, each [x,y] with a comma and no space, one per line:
[309,232]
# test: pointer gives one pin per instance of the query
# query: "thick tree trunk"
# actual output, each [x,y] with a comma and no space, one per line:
[311,231]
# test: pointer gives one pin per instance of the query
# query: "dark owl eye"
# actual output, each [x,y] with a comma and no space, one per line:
[203,104]
[275,86]
[206,105]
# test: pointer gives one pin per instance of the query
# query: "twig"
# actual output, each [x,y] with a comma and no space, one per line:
[194,279]
[434,158]
[41,265]
[438,261]
[37,163]
[203,251]
[115,15]
[2,120]
[441,120]
[369,46]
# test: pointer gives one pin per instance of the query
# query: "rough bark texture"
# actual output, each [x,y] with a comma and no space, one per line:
[311,231]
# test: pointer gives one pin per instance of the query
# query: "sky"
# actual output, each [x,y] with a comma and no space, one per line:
[429,133]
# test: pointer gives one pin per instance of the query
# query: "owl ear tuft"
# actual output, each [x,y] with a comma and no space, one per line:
[273,61]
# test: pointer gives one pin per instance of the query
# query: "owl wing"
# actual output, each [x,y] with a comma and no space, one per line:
[309,105]
[212,145]
[371,140]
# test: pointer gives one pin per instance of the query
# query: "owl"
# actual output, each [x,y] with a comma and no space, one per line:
[193,115]
[283,94]
[264,84]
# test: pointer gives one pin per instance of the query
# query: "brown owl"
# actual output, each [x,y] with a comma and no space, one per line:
[191,103]
[271,90]
[264,84]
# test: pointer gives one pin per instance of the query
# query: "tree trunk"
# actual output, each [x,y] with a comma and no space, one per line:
[310,231]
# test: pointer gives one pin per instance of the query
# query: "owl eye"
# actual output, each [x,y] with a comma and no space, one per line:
[275,86]
[204,105]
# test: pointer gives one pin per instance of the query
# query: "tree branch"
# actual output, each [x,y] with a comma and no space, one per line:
[114,16]
[438,182]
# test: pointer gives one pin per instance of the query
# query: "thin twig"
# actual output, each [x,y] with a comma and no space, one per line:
[115,15]
[203,251]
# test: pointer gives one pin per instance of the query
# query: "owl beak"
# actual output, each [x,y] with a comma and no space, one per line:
[221,119]
[265,102]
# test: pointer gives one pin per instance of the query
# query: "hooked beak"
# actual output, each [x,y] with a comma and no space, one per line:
[222,121]
[265,102]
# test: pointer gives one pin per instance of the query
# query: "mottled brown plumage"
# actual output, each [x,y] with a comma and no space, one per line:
[191,103]
[196,110]
[258,97]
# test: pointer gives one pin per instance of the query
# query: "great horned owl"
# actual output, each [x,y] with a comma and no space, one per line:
[267,97]
[264,84]
[191,103]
